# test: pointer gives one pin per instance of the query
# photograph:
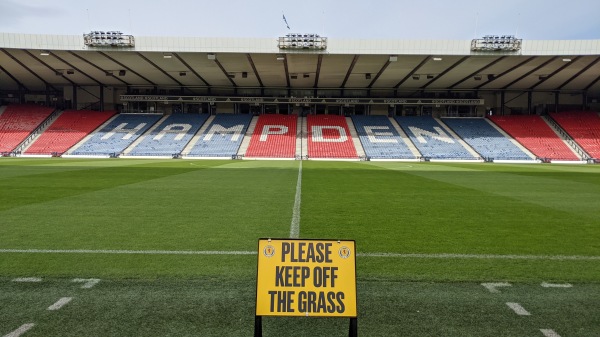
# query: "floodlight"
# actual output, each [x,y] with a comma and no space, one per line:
[167,55]
[211,56]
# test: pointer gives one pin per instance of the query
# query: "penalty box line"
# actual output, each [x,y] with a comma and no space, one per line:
[372,255]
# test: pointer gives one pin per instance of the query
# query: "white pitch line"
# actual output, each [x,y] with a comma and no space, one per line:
[27,279]
[518,309]
[549,333]
[295,225]
[60,303]
[88,282]
[241,252]
[21,330]
[492,287]
[556,285]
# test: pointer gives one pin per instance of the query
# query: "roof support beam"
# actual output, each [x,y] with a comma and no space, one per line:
[495,77]
[477,72]
[28,69]
[21,85]
[463,59]
[387,63]
[75,68]
[218,63]
[159,69]
[318,71]
[579,73]
[287,71]
[412,72]
[127,68]
[191,69]
[49,67]
[251,61]
[567,64]
[95,66]
[530,72]
[349,70]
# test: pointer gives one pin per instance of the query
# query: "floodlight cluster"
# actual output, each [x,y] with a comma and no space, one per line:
[302,41]
[496,43]
[109,38]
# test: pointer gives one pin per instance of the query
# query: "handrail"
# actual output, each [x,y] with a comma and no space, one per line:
[37,131]
[568,138]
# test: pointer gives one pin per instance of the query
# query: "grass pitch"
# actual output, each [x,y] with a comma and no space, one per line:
[522,224]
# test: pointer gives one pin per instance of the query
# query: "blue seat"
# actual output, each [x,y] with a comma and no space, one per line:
[118,134]
[380,139]
[485,139]
[432,140]
[171,136]
[223,136]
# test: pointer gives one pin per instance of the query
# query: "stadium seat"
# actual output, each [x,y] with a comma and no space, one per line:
[583,127]
[223,136]
[117,135]
[431,139]
[67,130]
[18,121]
[274,137]
[329,137]
[485,139]
[536,135]
[380,139]
[171,136]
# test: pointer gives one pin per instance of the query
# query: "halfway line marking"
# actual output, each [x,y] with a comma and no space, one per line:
[556,285]
[27,279]
[295,225]
[518,309]
[242,252]
[549,333]
[88,282]
[21,330]
[492,287]
[60,303]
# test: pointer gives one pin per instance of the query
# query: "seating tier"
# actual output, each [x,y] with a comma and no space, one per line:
[329,137]
[67,130]
[274,137]
[536,135]
[431,139]
[223,136]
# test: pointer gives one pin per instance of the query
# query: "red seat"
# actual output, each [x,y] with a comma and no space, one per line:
[583,127]
[274,137]
[67,130]
[536,135]
[329,137]
[17,122]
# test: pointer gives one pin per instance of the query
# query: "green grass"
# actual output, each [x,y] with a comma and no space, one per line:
[405,208]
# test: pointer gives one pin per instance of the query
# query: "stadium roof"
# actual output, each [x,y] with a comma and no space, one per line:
[405,65]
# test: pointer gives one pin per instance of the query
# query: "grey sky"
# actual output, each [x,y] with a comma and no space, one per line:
[375,19]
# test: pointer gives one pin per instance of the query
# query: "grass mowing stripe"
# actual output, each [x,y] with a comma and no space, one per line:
[384,255]
[295,226]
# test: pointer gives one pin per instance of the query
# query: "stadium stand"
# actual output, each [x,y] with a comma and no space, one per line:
[222,138]
[67,130]
[116,136]
[485,139]
[431,140]
[171,136]
[19,121]
[380,139]
[329,137]
[583,127]
[536,135]
[274,137]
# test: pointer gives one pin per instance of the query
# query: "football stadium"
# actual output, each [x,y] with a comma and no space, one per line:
[138,174]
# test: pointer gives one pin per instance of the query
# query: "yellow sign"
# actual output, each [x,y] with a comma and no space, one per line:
[306,278]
